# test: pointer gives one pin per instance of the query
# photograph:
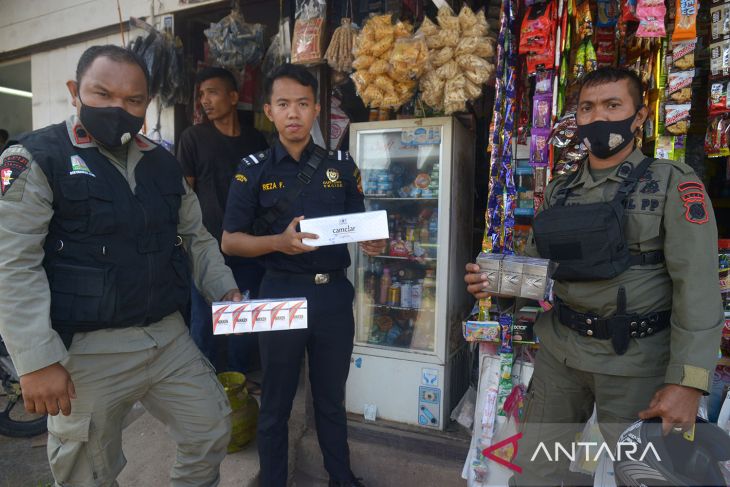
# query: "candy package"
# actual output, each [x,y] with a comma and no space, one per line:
[607,13]
[536,28]
[676,120]
[718,102]
[628,11]
[720,21]
[540,147]
[717,139]
[683,55]
[565,131]
[651,15]
[679,88]
[308,32]
[584,20]
[685,21]
[720,58]
[541,108]
[605,46]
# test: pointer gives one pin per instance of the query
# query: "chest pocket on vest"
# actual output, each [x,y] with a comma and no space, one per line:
[643,223]
[86,206]
[172,191]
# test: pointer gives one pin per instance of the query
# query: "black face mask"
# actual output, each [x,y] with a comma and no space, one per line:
[605,139]
[110,126]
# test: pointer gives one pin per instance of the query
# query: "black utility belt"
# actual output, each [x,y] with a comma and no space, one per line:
[320,278]
[637,326]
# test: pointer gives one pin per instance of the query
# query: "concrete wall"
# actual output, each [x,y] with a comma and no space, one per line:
[28,22]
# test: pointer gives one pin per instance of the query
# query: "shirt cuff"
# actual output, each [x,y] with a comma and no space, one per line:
[219,287]
[689,376]
[40,356]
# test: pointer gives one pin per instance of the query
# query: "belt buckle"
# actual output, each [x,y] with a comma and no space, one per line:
[321,278]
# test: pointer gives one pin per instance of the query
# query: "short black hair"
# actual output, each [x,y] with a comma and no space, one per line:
[610,75]
[220,73]
[300,74]
[116,54]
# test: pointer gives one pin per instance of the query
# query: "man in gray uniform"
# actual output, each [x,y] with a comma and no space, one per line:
[97,231]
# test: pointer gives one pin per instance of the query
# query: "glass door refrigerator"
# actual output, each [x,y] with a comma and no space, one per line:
[409,363]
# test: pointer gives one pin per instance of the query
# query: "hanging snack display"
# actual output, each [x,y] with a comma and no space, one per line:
[279,52]
[339,53]
[388,61]
[717,138]
[163,56]
[234,43]
[460,54]
[308,32]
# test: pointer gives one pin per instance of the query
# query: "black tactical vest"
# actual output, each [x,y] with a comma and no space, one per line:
[113,257]
[588,241]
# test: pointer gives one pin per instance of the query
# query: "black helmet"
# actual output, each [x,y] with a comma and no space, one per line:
[674,460]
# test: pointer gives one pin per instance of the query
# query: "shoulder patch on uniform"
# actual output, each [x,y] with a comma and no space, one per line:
[342,155]
[257,158]
[11,167]
[240,178]
[692,194]
[681,166]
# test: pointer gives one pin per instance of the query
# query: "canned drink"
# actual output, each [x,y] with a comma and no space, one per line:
[394,294]
[405,294]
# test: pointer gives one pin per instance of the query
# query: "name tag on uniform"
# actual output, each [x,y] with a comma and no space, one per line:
[344,229]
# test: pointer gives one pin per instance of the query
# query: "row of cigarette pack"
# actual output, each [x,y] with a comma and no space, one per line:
[259,315]
[516,275]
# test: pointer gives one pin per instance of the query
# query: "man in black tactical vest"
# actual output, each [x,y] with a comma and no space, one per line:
[637,315]
[97,235]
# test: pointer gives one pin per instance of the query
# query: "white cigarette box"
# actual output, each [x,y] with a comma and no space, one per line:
[343,229]
[259,315]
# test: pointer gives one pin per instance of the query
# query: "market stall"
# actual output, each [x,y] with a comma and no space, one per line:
[501,78]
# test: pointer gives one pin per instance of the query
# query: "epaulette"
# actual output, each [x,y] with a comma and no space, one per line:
[253,159]
[340,155]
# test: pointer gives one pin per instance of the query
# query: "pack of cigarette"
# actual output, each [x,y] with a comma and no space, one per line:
[258,315]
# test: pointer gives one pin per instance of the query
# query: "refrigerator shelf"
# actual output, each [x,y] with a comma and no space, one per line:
[412,259]
[400,308]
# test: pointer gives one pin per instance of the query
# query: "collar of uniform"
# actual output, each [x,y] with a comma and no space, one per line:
[280,153]
[77,134]
[619,173]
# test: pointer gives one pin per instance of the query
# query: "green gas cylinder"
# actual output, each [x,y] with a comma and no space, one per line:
[245,413]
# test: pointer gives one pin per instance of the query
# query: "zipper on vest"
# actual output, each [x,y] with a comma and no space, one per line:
[149,263]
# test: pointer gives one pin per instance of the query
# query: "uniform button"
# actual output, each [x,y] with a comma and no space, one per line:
[642,335]
[643,324]
[633,333]
[589,332]
[589,321]
[650,331]
[634,325]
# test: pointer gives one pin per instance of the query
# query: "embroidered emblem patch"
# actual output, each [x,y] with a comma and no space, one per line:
[693,197]
[614,140]
[650,187]
[333,174]
[78,166]
[81,136]
[11,168]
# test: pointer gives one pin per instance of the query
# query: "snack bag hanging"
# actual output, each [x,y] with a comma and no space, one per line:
[685,23]
[308,32]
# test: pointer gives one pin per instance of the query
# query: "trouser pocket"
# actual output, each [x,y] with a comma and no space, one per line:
[69,455]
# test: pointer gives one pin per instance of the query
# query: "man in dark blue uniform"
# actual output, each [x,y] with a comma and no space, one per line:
[271,193]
